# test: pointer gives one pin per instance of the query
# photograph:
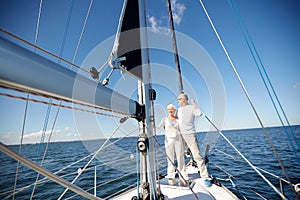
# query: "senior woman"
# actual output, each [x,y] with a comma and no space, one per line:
[173,145]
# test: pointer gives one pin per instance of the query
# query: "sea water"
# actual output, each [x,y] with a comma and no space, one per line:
[116,169]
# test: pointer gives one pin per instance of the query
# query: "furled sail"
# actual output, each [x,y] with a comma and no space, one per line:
[127,47]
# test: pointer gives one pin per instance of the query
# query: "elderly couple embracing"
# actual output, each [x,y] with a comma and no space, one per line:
[180,131]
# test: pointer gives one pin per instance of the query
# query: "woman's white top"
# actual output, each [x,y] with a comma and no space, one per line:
[171,127]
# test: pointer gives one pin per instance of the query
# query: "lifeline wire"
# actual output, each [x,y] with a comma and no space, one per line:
[102,184]
[245,91]
[5,149]
[249,163]
[94,156]
[236,159]
[44,179]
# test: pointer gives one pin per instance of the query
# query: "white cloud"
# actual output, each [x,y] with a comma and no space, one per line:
[65,134]
[38,134]
[297,85]
[8,135]
[154,24]
[67,128]
[178,11]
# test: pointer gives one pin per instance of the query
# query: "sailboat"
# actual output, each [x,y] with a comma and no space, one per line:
[129,55]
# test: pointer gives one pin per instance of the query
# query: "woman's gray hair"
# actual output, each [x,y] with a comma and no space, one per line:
[171,106]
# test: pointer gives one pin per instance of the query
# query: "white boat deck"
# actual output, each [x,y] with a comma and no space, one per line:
[184,193]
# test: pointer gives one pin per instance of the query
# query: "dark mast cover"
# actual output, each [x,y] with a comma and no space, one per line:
[130,40]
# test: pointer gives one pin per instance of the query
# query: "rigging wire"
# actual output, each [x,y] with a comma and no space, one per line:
[26,107]
[20,147]
[40,144]
[46,149]
[66,31]
[50,101]
[236,159]
[82,31]
[38,24]
[44,179]
[93,157]
[244,90]
[259,64]
[68,166]
[249,163]
[5,149]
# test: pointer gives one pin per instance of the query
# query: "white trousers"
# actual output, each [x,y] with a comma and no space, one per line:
[174,146]
[191,141]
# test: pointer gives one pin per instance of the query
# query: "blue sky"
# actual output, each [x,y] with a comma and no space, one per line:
[272,24]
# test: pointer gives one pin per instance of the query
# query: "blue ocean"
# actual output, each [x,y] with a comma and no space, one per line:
[116,166]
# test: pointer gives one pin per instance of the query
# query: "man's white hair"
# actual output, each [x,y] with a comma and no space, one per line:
[183,96]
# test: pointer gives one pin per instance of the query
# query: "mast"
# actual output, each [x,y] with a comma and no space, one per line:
[146,96]
[131,53]
[174,43]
